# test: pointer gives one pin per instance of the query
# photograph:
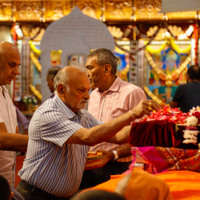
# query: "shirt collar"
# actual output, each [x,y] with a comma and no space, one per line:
[59,103]
[3,90]
[114,87]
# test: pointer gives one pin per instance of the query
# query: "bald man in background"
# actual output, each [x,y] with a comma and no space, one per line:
[10,140]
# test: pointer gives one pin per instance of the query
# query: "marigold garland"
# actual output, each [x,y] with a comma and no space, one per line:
[154,97]
[36,62]
[177,49]
[172,44]
[33,48]
[156,51]
[36,92]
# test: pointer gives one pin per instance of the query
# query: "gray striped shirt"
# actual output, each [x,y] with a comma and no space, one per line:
[51,164]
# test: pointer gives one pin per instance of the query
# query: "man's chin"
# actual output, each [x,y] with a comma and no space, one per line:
[82,105]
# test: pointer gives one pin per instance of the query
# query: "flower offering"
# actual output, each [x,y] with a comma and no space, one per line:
[167,127]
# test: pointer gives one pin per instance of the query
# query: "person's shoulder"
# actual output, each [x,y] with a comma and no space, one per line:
[130,86]
[184,85]
[194,83]
[46,108]
[49,111]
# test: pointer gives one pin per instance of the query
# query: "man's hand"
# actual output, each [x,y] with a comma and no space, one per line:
[145,107]
[107,156]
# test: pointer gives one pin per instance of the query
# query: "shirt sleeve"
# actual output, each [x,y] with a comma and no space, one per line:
[57,128]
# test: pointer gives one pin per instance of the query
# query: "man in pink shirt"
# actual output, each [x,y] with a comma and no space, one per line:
[110,98]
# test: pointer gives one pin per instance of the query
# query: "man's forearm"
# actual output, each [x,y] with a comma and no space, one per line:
[122,136]
[111,128]
[13,142]
[101,132]
[106,131]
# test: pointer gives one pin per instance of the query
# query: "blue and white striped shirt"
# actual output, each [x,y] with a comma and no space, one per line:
[51,164]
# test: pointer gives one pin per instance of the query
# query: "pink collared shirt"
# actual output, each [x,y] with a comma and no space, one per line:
[121,97]
[9,118]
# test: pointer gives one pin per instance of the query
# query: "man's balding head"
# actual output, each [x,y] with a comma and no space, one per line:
[9,62]
[72,85]
[68,73]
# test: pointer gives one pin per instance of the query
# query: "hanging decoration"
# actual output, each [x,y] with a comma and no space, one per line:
[171,43]
[196,44]
[170,34]
[36,61]
[174,31]
[36,92]
[34,49]
[156,51]
[154,97]
[167,78]
[134,28]
[187,33]
[177,49]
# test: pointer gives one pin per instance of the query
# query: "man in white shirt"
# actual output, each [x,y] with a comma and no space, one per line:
[9,140]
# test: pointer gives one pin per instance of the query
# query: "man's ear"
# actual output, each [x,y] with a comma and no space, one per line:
[107,68]
[60,89]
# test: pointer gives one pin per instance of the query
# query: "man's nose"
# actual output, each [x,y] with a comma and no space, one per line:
[87,95]
[17,71]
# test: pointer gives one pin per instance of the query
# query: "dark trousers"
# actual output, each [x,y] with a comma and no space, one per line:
[30,192]
[94,177]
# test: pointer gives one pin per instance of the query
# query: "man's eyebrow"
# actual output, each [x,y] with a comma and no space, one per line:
[12,63]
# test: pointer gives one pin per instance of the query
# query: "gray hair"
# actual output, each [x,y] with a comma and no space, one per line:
[63,75]
[103,57]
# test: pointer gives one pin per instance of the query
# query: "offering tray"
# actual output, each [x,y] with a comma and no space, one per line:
[164,128]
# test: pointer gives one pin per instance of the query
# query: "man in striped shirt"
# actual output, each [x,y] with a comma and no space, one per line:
[60,134]
[111,98]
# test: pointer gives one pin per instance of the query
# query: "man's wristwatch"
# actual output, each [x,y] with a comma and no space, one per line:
[116,156]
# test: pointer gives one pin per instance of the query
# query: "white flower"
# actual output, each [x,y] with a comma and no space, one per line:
[191,121]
